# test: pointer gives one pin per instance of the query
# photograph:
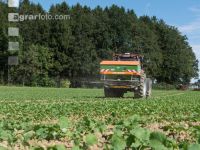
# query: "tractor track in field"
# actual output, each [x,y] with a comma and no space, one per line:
[70,101]
[177,94]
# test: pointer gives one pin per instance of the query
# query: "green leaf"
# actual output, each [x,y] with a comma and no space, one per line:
[42,133]
[5,135]
[29,135]
[157,145]
[136,144]
[60,147]
[158,136]
[91,139]
[3,148]
[194,147]
[126,123]
[141,133]
[63,123]
[118,143]
[76,148]
[135,118]
[118,133]
[36,148]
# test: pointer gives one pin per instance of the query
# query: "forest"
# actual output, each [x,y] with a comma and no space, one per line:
[55,50]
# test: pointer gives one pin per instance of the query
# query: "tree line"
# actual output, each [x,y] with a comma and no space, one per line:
[53,50]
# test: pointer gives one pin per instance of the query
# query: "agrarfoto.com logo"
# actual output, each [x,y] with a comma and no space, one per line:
[16,17]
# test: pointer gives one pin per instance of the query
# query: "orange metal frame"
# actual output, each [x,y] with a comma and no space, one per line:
[129,63]
[121,73]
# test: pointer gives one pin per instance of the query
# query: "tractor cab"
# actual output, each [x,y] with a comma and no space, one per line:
[127,57]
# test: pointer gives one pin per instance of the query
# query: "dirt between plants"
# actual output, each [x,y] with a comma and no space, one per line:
[182,135]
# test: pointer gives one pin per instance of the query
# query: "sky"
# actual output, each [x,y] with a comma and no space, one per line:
[184,14]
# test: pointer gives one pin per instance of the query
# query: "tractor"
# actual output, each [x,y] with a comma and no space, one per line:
[124,74]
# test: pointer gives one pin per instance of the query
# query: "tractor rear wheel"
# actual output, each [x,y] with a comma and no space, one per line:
[144,89]
[110,92]
[149,87]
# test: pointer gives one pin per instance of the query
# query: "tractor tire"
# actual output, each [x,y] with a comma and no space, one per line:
[141,91]
[144,89]
[107,92]
[112,93]
[149,87]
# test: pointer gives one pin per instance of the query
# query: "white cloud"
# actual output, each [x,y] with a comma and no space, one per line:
[192,30]
[194,9]
[147,8]
[196,49]
[197,36]
[191,27]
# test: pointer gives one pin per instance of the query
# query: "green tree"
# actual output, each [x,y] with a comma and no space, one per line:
[145,42]
[120,29]
[3,42]
[179,61]
[84,56]
[34,67]
[60,41]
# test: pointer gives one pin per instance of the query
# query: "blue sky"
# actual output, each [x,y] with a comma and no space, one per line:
[184,14]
